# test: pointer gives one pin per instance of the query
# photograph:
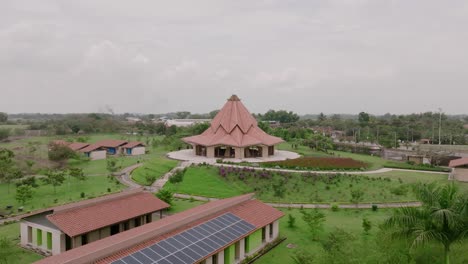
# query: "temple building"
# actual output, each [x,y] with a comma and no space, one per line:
[234,133]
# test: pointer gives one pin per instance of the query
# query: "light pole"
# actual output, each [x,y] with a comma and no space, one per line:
[440,123]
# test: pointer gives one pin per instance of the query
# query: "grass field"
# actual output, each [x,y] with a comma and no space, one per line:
[71,189]
[156,167]
[374,162]
[361,249]
[382,187]
[21,256]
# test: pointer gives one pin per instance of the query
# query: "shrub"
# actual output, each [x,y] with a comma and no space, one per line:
[400,190]
[178,176]
[150,179]
[374,207]
[291,221]
[165,195]
[108,189]
[334,207]
[316,163]
[82,195]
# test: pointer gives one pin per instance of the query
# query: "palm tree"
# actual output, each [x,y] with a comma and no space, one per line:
[443,217]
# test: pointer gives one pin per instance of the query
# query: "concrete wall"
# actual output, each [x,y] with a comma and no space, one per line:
[138,151]
[210,152]
[58,239]
[460,174]
[97,155]
[264,151]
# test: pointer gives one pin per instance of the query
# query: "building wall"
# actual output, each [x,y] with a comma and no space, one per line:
[57,238]
[210,152]
[460,174]
[97,155]
[138,151]
[264,151]
[230,254]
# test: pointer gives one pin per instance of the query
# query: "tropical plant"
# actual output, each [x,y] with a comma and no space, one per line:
[443,217]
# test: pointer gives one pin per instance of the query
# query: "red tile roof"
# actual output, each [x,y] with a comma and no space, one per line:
[83,219]
[77,145]
[120,245]
[111,143]
[132,144]
[90,148]
[458,162]
[233,126]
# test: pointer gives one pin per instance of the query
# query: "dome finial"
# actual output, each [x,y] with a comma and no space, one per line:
[234,98]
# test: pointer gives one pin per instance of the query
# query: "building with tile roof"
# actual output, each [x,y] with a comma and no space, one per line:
[73,225]
[222,231]
[459,169]
[234,133]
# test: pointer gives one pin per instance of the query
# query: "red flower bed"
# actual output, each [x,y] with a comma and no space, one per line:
[318,163]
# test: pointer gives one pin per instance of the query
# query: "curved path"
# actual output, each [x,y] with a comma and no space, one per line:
[309,206]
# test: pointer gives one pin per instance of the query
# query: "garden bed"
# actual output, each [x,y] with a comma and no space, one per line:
[318,163]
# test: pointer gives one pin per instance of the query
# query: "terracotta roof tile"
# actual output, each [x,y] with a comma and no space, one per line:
[458,162]
[111,143]
[112,248]
[77,145]
[234,126]
[132,144]
[90,148]
[76,221]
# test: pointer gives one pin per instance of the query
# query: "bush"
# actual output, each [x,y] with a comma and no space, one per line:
[375,207]
[108,189]
[150,179]
[178,176]
[82,195]
[334,207]
[165,195]
[400,190]
[291,221]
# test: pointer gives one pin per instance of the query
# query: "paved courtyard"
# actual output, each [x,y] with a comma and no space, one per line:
[188,155]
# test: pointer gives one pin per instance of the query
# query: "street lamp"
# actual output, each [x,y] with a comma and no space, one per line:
[440,123]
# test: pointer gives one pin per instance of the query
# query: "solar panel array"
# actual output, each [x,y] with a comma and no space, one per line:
[193,244]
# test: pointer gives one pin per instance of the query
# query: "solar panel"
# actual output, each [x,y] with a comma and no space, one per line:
[193,244]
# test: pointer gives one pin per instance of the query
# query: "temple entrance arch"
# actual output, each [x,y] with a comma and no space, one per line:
[224,152]
[253,152]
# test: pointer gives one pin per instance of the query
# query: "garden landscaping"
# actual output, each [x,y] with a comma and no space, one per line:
[317,163]
[308,187]
[152,170]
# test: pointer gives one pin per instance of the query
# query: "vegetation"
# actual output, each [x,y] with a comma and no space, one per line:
[165,195]
[443,218]
[315,163]
[154,168]
[10,253]
[222,182]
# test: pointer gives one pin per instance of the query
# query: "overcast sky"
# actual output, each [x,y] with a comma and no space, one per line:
[306,56]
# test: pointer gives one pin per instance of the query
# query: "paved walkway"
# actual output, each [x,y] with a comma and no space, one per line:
[308,206]
[125,177]
[159,183]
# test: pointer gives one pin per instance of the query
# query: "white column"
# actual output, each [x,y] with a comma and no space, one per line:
[221,257]
[24,234]
[275,229]
[241,249]
[209,260]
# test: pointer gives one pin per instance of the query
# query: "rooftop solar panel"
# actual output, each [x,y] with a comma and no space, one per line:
[193,244]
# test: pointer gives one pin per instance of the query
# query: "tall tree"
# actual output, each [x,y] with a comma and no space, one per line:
[24,193]
[8,170]
[54,178]
[3,117]
[443,218]
[314,220]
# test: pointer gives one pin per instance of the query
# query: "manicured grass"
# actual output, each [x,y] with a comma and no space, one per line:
[303,188]
[70,191]
[12,232]
[155,167]
[364,246]
[374,162]
[204,181]
[179,205]
[317,163]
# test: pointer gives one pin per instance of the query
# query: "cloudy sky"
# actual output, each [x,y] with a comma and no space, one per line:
[152,56]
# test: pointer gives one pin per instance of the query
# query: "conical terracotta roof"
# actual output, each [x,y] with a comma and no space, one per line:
[233,126]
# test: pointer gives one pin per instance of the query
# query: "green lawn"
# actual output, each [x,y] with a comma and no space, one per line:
[361,248]
[297,188]
[156,167]
[374,162]
[179,205]
[12,232]
[70,191]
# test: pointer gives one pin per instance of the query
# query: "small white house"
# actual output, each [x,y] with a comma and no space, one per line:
[134,148]
[94,152]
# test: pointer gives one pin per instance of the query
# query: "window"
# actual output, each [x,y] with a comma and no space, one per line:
[84,239]
[126,226]
[263,234]
[114,229]
[215,259]
[30,234]
[271,230]
[149,218]
[39,237]
[49,240]
[68,242]
[247,245]
[137,221]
